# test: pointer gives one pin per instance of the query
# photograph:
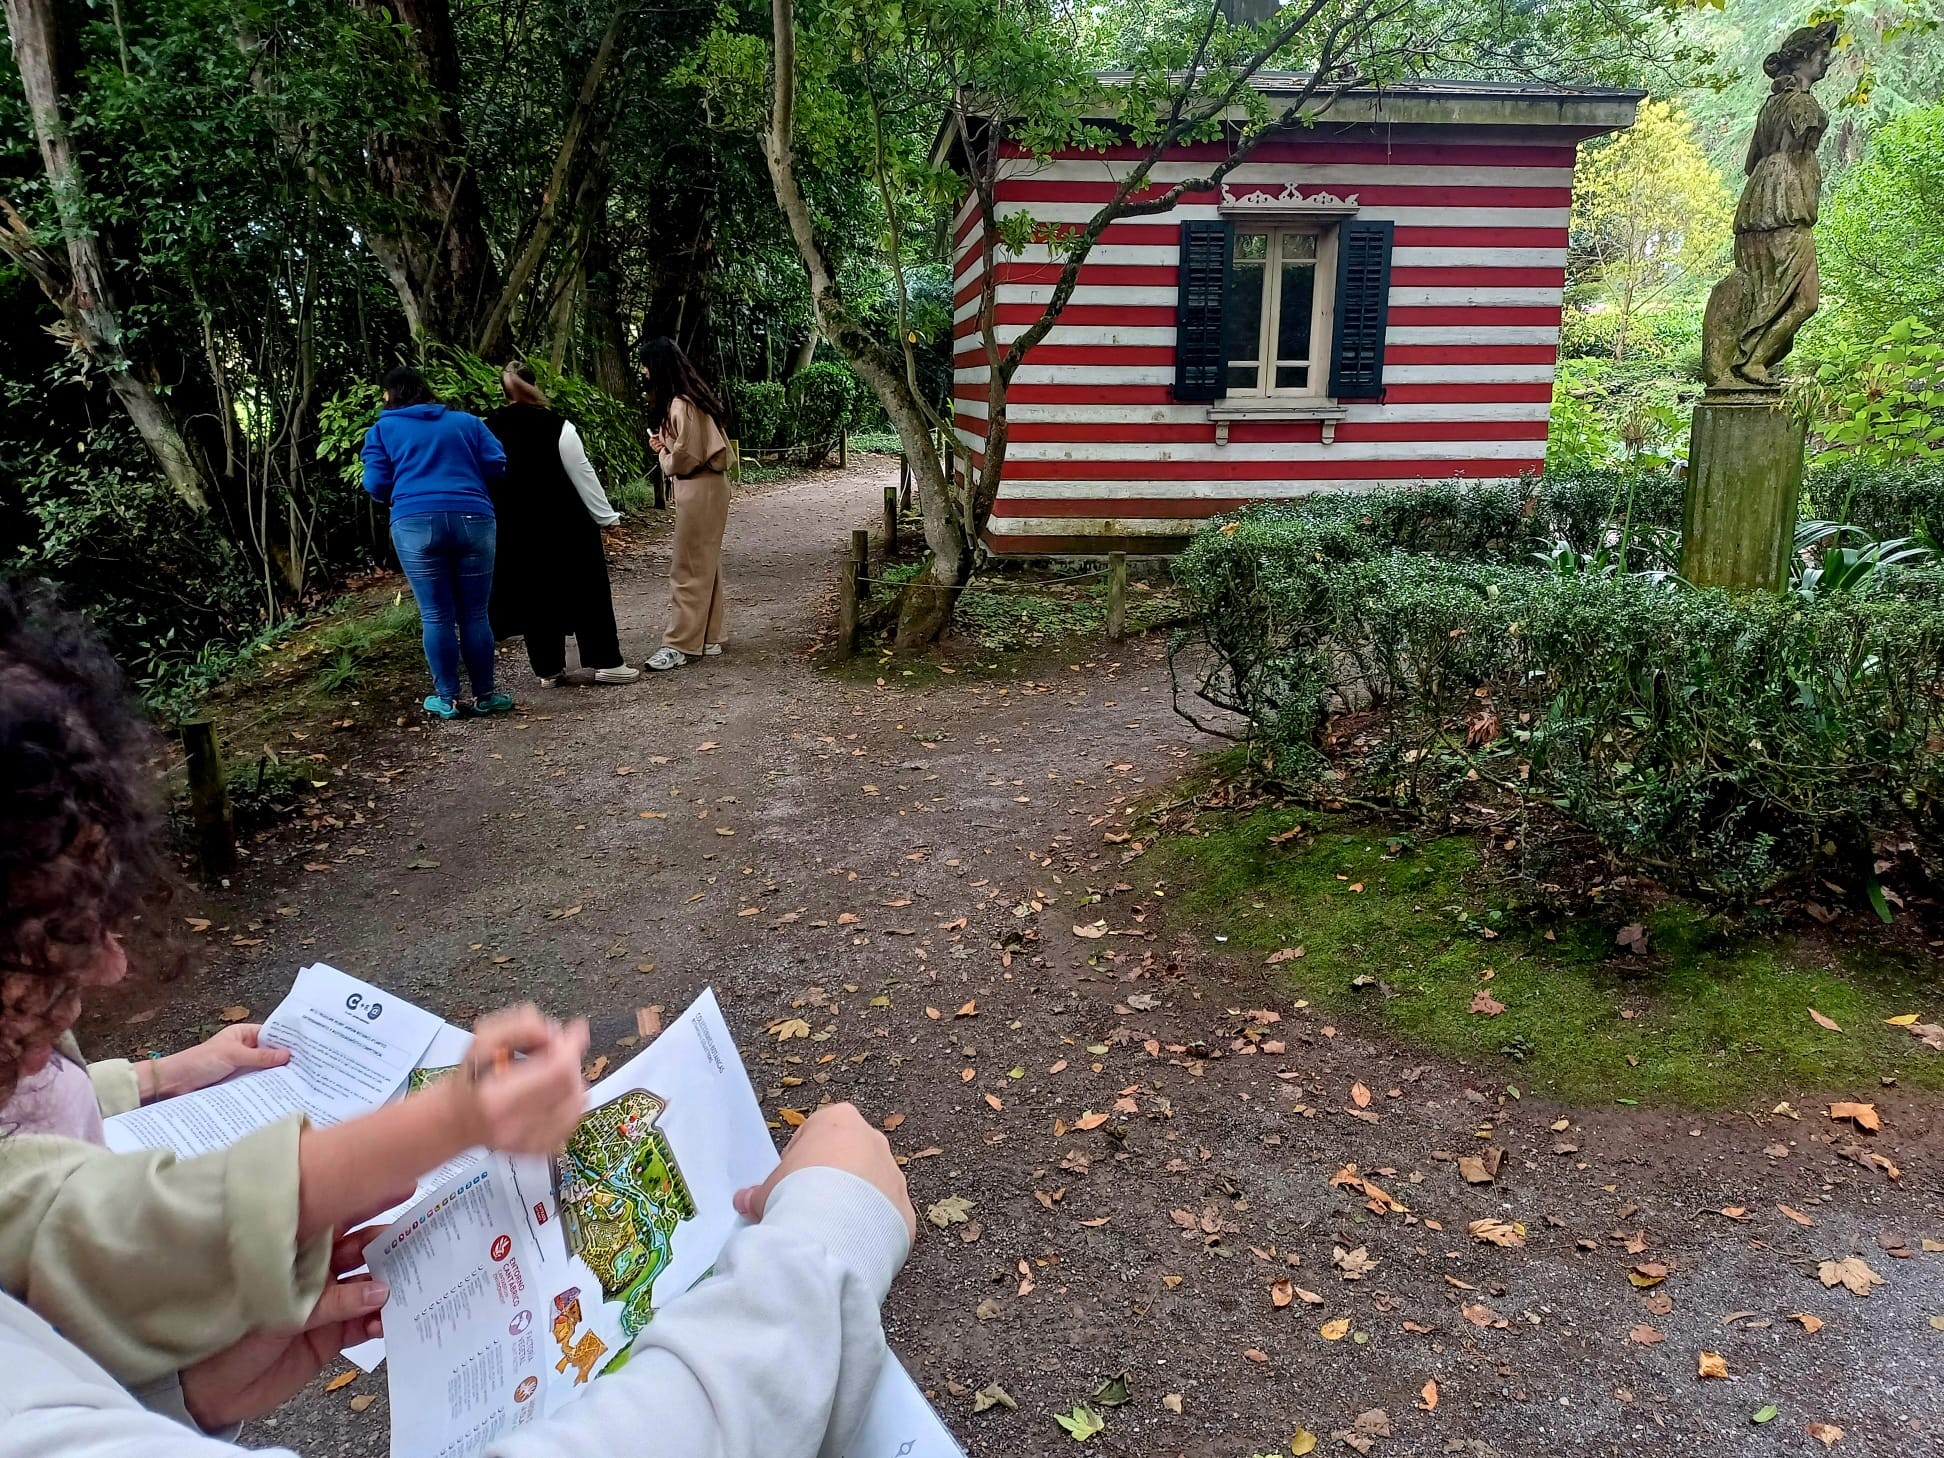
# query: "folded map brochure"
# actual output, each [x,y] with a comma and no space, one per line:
[517,1282]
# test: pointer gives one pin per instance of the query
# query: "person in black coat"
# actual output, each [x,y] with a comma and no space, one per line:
[551,578]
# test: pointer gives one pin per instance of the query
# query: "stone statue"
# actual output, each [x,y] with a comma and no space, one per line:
[1754,313]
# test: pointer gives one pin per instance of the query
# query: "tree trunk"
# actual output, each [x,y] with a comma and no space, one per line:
[81,290]
[493,330]
[429,230]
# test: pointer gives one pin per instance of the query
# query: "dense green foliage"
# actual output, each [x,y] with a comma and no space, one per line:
[1721,742]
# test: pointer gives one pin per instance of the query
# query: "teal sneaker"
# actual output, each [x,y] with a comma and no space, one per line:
[440,708]
[493,704]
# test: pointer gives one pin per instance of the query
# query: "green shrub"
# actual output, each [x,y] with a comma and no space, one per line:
[759,407]
[821,397]
[1720,742]
[1905,498]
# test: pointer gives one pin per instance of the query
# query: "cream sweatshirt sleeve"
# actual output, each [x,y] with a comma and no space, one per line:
[580,470]
[774,1356]
[149,1263]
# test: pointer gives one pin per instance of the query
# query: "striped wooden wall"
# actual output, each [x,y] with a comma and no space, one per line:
[1098,445]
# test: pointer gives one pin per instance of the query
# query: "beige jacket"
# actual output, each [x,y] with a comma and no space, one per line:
[692,442]
[149,1263]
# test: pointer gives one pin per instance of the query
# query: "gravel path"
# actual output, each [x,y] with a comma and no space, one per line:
[810,843]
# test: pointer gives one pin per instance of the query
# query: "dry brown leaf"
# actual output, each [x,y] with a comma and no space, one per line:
[363,1400]
[1428,1398]
[1089,1121]
[1796,1215]
[1481,1168]
[1648,1273]
[343,1379]
[1823,1022]
[648,1021]
[1481,1315]
[1359,1095]
[1853,1274]
[1498,1232]
[1810,1324]
[1828,1434]
[1281,1293]
[1335,1331]
[1354,1264]
[892,1121]
[234,1014]
[1647,1336]
[795,1118]
[1284,954]
[1483,1002]
[995,1101]
[1308,1298]
[592,1073]
[970,1010]
[1712,1364]
[1864,1116]
[1172,1402]
[1255,1355]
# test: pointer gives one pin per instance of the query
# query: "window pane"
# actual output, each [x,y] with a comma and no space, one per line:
[1294,311]
[1242,310]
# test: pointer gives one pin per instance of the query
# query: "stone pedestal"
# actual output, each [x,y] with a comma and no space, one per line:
[1744,480]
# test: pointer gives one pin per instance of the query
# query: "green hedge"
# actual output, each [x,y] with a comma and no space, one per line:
[760,408]
[1720,742]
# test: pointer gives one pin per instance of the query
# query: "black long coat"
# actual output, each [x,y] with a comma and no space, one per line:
[550,573]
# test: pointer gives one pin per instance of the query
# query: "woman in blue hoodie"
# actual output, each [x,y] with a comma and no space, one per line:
[435,467]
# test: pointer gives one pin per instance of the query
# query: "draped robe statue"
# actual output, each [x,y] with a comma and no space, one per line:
[1753,314]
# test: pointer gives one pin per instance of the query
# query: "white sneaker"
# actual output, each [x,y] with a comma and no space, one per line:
[712,650]
[624,674]
[665,658]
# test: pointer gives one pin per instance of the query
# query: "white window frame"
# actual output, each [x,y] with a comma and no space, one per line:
[1322,314]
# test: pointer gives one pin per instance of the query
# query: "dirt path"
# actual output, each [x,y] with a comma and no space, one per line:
[810,842]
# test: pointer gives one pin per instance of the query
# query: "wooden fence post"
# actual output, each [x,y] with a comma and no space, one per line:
[890,522]
[852,592]
[209,799]
[1116,595]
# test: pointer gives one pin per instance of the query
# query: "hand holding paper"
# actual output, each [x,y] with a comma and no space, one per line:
[528,1106]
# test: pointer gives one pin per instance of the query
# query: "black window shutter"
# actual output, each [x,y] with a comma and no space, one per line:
[1201,349]
[1362,310]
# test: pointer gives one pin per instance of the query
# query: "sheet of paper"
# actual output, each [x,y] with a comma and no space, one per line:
[478,1273]
[900,1423]
[351,1048]
[447,1050]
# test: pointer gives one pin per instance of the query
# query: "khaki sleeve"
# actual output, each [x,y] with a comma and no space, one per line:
[690,438]
[114,1086]
[149,1263]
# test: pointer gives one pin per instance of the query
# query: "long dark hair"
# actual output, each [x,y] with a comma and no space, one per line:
[670,374]
[406,386]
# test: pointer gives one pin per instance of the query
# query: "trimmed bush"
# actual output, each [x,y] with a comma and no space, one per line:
[760,407]
[1720,742]
[1884,500]
[821,395]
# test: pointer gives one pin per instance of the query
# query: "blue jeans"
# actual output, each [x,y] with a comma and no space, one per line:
[448,559]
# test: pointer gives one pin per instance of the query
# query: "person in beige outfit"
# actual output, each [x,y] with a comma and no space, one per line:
[686,417]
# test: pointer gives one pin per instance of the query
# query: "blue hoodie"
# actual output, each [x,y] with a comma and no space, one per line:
[424,458]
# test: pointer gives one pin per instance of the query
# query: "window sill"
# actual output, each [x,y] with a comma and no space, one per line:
[1224,412]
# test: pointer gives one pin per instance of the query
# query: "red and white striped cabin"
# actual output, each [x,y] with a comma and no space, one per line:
[1372,298]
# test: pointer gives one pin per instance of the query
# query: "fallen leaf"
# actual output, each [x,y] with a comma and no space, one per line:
[788,1028]
[1082,1424]
[1334,1331]
[1481,1168]
[1090,932]
[1483,1002]
[1864,1116]
[1282,1293]
[1823,1022]
[1172,1402]
[1647,1274]
[1853,1274]
[1765,1413]
[1114,1392]
[343,1379]
[993,1395]
[1810,1324]
[1796,1215]
[1633,938]
[363,1400]
[1284,954]
[952,1210]
[234,1014]
[1647,1336]
[1359,1095]
[1089,1121]
[1480,1315]
[648,1021]
[1302,1443]
[1428,1397]
[795,1118]
[970,1010]
[1828,1434]
[1902,1020]
[995,1102]
[1712,1364]
[1255,1355]
[1354,1264]
[1498,1232]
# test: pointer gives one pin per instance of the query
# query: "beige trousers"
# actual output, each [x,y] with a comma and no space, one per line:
[695,575]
